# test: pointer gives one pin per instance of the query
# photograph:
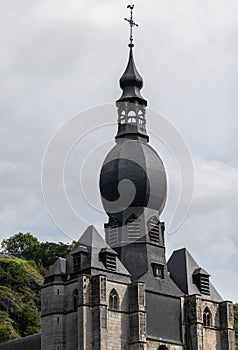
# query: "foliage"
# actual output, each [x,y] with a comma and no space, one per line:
[43,254]
[20,244]
[7,330]
[21,278]
[29,321]
[20,286]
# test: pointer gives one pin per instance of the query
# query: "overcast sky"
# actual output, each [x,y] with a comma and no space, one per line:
[58,58]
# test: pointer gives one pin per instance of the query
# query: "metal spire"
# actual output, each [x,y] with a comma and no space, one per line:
[132,24]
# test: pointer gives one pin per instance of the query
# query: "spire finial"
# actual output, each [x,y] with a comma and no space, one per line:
[132,24]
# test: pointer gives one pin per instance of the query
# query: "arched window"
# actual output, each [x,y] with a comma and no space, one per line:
[113,300]
[207,317]
[133,228]
[75,298]
[131,117]
[163,347]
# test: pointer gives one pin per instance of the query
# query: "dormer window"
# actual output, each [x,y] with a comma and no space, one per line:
[158,270]
[108,257]
[201,279]
[79,257]
[76,262]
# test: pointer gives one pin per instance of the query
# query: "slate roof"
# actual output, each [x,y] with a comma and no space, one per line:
[95,244]
[58,268]
[182,266]
[32,342]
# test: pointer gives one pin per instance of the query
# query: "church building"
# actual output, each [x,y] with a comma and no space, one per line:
[121,293]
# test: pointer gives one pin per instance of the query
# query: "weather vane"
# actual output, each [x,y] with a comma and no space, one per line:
[132,24]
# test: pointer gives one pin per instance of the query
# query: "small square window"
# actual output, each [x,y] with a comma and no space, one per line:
[158,271]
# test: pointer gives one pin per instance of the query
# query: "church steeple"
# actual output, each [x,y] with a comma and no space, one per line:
[131,105]
[131,83]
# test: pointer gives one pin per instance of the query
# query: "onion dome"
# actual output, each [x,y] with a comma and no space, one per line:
[138,163]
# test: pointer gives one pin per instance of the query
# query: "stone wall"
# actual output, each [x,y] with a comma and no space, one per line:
[154,345]
[218,333]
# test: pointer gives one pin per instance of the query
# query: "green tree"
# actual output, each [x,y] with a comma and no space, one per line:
[44,254]
[49,252]
[20,244]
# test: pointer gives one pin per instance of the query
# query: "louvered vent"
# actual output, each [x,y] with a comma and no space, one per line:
[204,285]
[111,262]
[154,230]
[201,279]
[133,229]
[113,233]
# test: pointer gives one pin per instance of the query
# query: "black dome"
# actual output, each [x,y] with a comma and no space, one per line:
[138,162]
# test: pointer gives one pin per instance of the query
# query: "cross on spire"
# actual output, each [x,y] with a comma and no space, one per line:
[132,24]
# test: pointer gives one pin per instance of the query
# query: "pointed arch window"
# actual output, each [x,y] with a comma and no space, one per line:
[133,228]
[113,300]
[207,317]
[154,230]
[75,298]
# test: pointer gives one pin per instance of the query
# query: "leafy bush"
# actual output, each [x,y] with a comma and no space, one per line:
[29,321]
[20,289]
[7,330]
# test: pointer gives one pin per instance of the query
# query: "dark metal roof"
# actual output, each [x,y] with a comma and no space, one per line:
[182,267]
[32,342]
[138,162]
[131,83]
